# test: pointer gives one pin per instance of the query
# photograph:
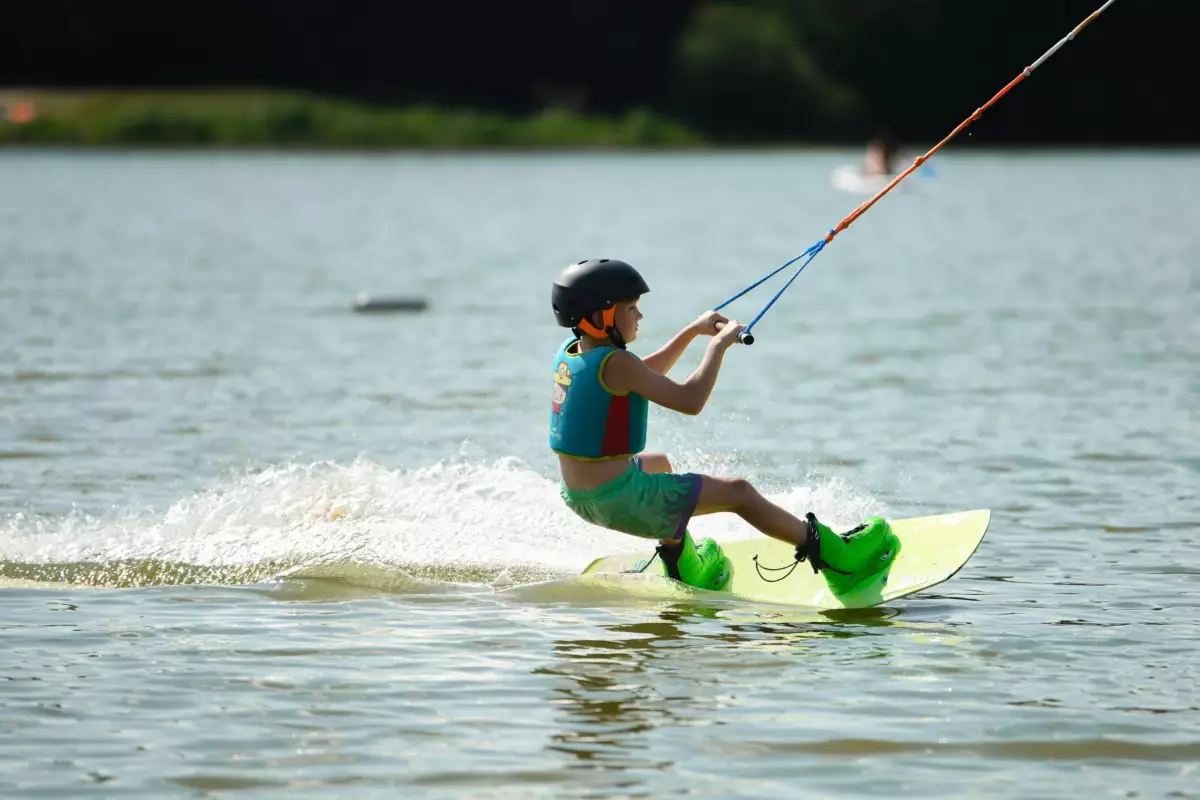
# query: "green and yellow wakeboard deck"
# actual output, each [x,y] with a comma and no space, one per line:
[932,550]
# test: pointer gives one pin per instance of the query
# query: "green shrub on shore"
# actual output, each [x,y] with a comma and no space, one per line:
[267,119]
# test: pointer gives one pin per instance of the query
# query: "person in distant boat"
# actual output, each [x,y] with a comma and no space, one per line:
[881,156]
[598,422]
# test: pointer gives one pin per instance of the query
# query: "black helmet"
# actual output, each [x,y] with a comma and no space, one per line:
[589,286]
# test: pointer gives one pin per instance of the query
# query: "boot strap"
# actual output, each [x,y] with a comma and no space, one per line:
[670,558]
[811,549]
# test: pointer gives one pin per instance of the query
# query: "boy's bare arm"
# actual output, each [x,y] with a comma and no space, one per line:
[625,372]
[664,358]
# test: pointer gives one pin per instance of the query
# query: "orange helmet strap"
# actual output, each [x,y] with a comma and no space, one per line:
[608,319]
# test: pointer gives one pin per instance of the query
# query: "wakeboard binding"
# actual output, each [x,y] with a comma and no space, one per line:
[849,559]
[702,564]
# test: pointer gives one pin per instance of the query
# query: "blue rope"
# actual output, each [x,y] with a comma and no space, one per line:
[763,280]
[811,253]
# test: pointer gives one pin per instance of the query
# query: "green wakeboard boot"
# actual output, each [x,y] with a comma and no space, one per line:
[703,565]
[851,559]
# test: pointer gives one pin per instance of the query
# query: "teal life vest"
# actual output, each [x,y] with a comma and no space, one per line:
[587,420]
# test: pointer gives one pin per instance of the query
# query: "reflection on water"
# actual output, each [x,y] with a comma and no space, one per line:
[671,673]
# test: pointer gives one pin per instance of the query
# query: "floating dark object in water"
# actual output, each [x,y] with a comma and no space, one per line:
[365,303]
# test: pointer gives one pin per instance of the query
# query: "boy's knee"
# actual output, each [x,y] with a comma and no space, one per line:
[727,494]
[741,490]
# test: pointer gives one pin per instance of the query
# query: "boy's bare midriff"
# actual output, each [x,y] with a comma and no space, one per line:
[583,475]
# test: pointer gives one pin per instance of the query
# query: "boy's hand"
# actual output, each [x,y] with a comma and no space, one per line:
[708,323]
[729,333]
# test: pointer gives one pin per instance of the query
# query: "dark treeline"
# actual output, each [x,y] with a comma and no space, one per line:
[756,71]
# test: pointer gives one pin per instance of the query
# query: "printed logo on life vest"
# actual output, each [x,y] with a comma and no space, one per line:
[562,384]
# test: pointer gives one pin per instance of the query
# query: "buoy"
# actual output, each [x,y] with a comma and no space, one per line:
[365,303]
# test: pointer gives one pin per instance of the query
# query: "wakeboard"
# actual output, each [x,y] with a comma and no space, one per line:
[932,550]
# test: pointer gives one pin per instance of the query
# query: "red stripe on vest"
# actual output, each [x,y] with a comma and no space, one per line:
[616,427]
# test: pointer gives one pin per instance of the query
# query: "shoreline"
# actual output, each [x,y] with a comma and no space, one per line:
[799,148]
[255,121]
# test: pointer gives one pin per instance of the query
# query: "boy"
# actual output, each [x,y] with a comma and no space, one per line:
[598,428]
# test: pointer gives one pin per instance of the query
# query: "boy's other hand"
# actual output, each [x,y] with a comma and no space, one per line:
[729,331]
[708,323]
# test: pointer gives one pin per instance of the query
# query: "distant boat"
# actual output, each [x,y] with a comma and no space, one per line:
[366,304]
[851,178]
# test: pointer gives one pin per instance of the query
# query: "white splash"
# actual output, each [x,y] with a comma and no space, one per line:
[500,515]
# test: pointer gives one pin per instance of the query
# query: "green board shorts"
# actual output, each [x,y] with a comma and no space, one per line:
[657,506]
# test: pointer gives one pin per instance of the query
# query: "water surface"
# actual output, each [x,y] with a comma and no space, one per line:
[252,543]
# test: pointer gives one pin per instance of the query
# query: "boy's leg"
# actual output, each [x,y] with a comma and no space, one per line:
[846,560]
[653,463]
[738,496]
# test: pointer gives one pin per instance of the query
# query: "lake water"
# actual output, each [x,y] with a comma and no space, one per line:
[254,544]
